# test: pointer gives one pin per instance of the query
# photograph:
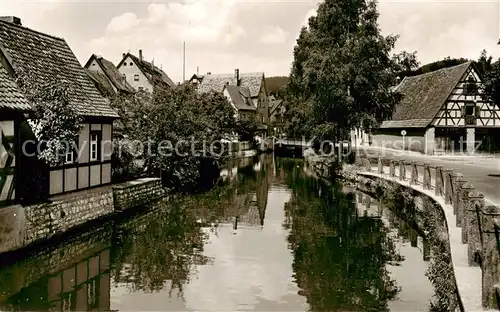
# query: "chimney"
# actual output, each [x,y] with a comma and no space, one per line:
[11,19]
[123,55]
[209,73]
[237,76]
[140,55]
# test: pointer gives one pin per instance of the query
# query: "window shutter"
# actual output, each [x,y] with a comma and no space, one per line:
[478,111]
[464,110]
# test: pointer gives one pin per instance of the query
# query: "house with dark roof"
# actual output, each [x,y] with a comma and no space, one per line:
[442,111]
[241,101]
[106,77]
[48,57]
[255,82]
[141,74]
[13,105]
[277,112]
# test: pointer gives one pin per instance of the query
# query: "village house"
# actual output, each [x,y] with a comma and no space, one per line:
[13,105]
[142,75]
[47,57]
[106,77]
[442,112]
[255,82]
[277,112]
[196,79]
[241,101]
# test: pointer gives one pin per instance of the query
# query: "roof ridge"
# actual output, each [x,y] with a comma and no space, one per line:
[468,63]
[32,30]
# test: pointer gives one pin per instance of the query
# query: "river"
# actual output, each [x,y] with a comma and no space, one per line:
[268,237]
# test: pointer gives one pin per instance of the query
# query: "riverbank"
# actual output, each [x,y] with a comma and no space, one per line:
[260,241]
[23,226]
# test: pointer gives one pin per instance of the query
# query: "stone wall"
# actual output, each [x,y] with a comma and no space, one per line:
[45,220]
[136,193]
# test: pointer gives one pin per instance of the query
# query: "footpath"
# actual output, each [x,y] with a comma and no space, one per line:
[482,171]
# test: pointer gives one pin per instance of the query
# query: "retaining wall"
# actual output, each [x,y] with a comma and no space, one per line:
[136,193]
[477,222]
[24,225]
[42,221]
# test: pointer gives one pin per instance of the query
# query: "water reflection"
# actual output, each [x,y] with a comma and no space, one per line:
[268,237]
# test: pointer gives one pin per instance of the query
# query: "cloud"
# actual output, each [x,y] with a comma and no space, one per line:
[123,23]
[275,36]
[309,14]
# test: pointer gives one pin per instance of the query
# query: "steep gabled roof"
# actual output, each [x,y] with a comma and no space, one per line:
[274,104]
[101,82]
[240,96]
[424,95]
[111,72]
[48,57]
[10,95]
[216,82]
[153,73]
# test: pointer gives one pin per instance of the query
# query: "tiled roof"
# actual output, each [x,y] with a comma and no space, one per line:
[274,104]
[217,82]
[49,57]
[10,95]
[153,73]
[411,123]
[111,72]
[240,96]
[101,82]
[425,94]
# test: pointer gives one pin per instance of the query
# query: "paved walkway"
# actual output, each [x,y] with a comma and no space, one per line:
[469,279]
[480,171]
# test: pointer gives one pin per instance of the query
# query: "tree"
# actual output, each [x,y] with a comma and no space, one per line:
[246,128]
[484,63]
[342,72]
[180,131]
[406,61]
[54,120]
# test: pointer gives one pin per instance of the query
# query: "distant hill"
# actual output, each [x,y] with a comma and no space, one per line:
[447,62]
[275,83]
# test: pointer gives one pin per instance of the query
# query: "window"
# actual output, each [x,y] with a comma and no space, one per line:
[470,87]
[124,63]
[70,154]
[136,77]
[469,110]
[131,64]
[141,88]
[92,294]
[95,138]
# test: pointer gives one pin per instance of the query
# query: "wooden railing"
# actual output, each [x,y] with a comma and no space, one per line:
[479,223]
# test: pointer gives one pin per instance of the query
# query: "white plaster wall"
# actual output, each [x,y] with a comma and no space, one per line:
[413,143]
[130,71]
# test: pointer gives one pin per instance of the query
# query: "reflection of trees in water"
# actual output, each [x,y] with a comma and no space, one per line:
[160,246]
[165,244]
[339,258]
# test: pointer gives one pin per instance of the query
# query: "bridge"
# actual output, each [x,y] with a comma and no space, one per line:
[289,147]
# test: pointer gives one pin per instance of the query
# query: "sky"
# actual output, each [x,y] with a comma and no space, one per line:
[252,35]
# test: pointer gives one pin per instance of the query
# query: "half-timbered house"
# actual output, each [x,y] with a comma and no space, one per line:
[47,57]
[442,112]
[13,105]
